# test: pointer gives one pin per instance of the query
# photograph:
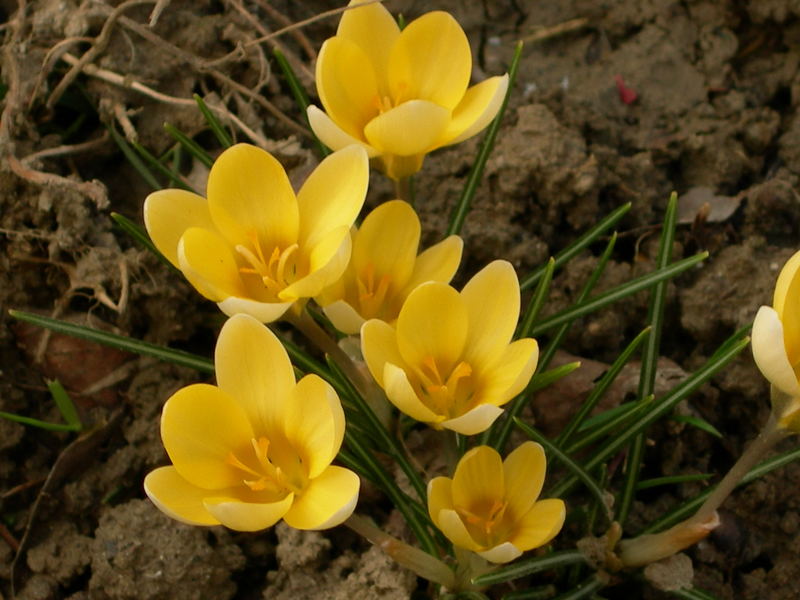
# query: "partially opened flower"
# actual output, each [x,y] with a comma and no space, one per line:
[449,361]
[491,506]
[257,448]
[776,344]
[400,94]
[254,247]
[385,268]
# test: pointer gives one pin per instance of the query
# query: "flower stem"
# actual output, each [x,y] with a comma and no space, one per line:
[404,189]
[649,548]
[421,563]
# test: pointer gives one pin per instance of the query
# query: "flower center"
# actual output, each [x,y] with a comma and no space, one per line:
[277,272]
[447,396]
[262,475]
[386,103]
[485,521]
[371,292]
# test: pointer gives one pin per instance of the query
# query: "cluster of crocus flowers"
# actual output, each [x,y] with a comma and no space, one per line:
[400,94]
[776,345]
[254,246]
[257,447]
[385,268]
[491,506]
[449,361]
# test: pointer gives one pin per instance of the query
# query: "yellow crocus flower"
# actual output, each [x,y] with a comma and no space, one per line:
[257,447]
[776,344]
[400,94]
[490,506]
[253,246]
[385,268]
[449,361]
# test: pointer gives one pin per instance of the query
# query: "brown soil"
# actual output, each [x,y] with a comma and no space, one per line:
[716,86]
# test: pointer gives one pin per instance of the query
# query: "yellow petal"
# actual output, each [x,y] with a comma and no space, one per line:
[169,213]
[327,262]
[786,302]
[454,529]
[414,127]
[347,85]
[492,301]
[249,193]
[247,516]
[387,243]
[265,312]
[524,471]
[344,317]
[379,346]
[313,423]
[177,498]
[440,497]
[332,135]
[474,421]
[477,109]
[375,31]
[333,194]
[253,368]
[206,260]
[540,524]
[505,552]
[432,324]
[769,352]
[397,167]
[200,426]
[437,263]
[402,395]
[431,60]
[327,501]
[509,376]
[478,482]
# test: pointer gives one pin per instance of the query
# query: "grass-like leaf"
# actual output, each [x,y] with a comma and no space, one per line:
[647,373]
[173,176]
[530,566]
[65,406]
[690,506]
[692,594]
[476,171]
[579,245]
[537,300]
[699,423]
[658,410]
[140,235]
[571,465]
[618,293]
[671,480]
[600,389]
[189,145]
[216,127]
[121,342]
[606,423]
[133,158]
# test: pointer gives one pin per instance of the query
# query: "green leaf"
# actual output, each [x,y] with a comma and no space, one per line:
[476,172]
[216,127]
[600,388]
[537,300]
[121,342]
[65,407]
[529,566]
[649,366]
[190,145]
[299,94]
[140,235]
[576,247]
[556,453]
[690,506]
[692,594]
[134,159]
[65,404]
[659,409]
[701,424]
[618,293]
[608,422]
[671,480]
